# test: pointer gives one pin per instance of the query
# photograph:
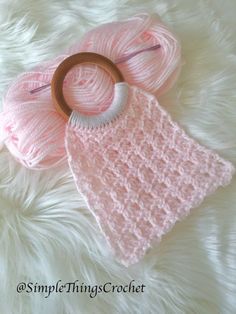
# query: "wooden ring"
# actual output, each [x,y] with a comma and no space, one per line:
[59,75]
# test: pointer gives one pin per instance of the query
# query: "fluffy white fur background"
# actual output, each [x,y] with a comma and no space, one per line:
[46,232]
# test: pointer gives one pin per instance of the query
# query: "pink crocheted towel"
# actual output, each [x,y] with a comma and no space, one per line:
[141,173]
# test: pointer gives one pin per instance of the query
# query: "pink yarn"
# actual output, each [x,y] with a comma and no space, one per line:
[155,71]
[32,129]
[141,173]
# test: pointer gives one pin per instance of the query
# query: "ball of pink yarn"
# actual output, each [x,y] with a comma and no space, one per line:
[32,129]
[154,71]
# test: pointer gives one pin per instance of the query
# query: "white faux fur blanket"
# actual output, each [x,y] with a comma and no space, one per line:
[47,234]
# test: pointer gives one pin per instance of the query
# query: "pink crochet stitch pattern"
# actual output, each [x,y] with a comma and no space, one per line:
[141,173]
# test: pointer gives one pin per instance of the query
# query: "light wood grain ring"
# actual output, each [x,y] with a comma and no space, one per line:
[59,75]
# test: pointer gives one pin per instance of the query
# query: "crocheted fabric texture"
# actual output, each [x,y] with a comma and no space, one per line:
[141,173]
